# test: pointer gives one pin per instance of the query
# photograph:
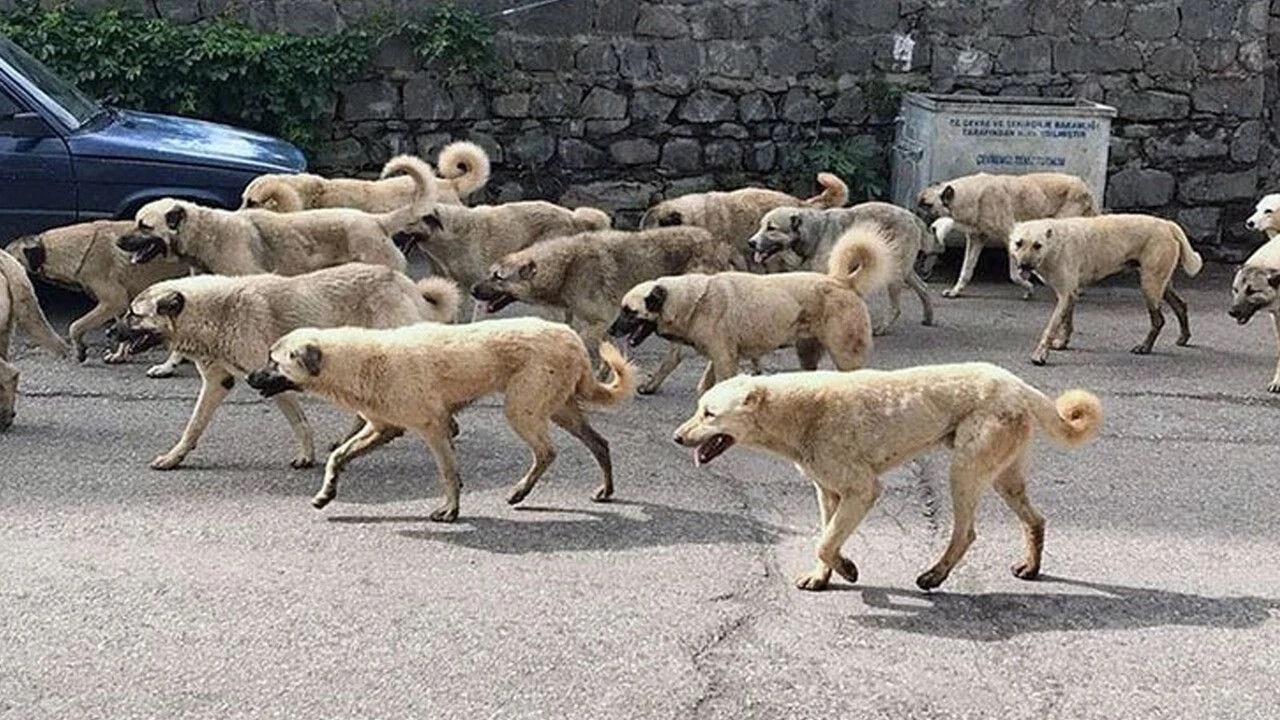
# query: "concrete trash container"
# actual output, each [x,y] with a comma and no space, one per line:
[941,137]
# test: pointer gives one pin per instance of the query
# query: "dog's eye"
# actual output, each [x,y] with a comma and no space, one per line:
[1036,245]
[708,414]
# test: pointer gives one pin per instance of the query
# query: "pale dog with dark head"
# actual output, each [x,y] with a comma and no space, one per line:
[227,324]
[84,257]
[417,377]
[986,207]
[1071,253]
[463,165]
[728,317]
[731,217]
[810,235]
[1256,287]
[19,308]
[588,274]
[845,430]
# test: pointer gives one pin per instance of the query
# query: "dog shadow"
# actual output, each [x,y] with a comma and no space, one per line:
[993,617]
[540,529]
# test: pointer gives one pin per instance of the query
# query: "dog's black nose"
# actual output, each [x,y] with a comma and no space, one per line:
[1251,224]
[1026,266]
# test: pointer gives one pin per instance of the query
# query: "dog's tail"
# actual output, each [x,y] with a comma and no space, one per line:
[835,193]
[274,192]
[624,379]
[862,259]
[26,308]
[1191,260]
[443,295]
[589,218]
[1073,419]
[425,185]
[465,165]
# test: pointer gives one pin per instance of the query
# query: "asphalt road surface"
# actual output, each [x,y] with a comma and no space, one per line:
[217,591]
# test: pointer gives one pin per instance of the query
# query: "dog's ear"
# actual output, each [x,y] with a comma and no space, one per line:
[1274,279]
[175,216]
[35,256]
[796,222]
[310,358]
[671,219]
[656,298]
[948,194]
[432,221]
[171,304]
[528,270]
[755,397]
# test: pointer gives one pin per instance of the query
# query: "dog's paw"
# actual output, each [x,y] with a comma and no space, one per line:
[81,352]
[1039,357]
[951,293]
[1141,349]
[648,387]
[1274,387]
[604,493]
[158,372]
[301,462]
[114,357]
[445,514]
[812,580]
[1058,344]
[931,579]
[168,461]
[322,498]
[1182,341]
[880,331]
[1026,571]
[846,569]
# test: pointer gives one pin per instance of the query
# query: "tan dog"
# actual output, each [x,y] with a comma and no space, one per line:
[587,275]
[810,235]
[20,308]
[732,217]
[463,165]
[417,377]
[245,242]
[1071,253]
[731,316]
[845,430]
[84,257]
[1257,287]
[1266,216]
[228,324]
[466,241]
[986,207]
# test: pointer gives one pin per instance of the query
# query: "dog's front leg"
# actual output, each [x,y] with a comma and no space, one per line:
[1275,380]
[856,492]
[972,249]
[306,456]
[100,315]
[369,437]
[1062,334]
[1041,353]
[216,383]
[436,436]
[670,361]
[818,578]
[166,368]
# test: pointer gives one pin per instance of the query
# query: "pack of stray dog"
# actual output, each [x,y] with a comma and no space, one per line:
[303,290]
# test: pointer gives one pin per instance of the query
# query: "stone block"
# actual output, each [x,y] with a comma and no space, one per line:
[610,195]
[532,148]
[851,17]
[647,105]
[556,100]
[801,106]
[722,155]
[681,155]
[1219,187]
[637,151]
[513,105]
[1246,142]
[370,101]
[604,104]
[732,59]
[681,58]
[787,59]
[542,54]
[1096,57]
[1140,188]
[661,21]
[1026,55]
[577,154]
[1149,105]
[1102,20]
[1153,21]
[1241,97]
[596,57]
[618,16]
[427,99]
[705,106]
[756,107]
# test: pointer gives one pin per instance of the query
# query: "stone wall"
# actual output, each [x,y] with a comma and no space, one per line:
[620,102]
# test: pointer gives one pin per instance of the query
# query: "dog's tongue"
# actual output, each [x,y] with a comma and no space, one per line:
[1025,274]
[760,258]
[491,307]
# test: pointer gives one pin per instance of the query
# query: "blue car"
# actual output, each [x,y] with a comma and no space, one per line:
[65,158]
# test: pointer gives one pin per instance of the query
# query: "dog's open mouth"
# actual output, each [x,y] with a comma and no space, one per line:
[142,249]
[404,240]
[761,256]
[136,340]
[640,332]
[1025,272]
[270,383]
[711,448]
[1242,317]
[495,304]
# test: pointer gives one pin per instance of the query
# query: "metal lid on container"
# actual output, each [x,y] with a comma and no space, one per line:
[1009,104]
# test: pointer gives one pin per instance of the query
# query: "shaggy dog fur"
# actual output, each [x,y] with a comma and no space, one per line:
[19,308]
[1072,253]
[845,430]
[1257,287]
[1266,216]
[417,377]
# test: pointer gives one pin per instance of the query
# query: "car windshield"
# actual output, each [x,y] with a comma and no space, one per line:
[76,107]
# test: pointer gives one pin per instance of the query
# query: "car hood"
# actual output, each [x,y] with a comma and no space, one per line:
[147,137]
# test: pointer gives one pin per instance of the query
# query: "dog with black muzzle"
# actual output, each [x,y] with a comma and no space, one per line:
[1256,287]
[417,377]
[227,325]
[731,316]
[588,274]
[20,309]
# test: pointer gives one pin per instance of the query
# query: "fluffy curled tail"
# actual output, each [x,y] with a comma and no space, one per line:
[425,184]
[589,218]
[620,388]
[1191,260]
[274,193]
[443,295]
[862,259]
[834,192]
[465,165]
[1073,419]
[26,309]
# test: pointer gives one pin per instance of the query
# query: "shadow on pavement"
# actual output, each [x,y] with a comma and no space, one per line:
[603,529]
[990,617]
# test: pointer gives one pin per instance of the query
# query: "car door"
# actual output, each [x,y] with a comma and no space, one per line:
[37,181]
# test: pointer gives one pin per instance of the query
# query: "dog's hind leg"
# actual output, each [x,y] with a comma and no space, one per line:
[1275,379]
[972,249]
[895,309]
[708,379]
[1011,485]
[436,436]
[1153,287]
[818,578]
[570,418]
[670,361]
[857,490]
[809,352]
[1180,311]
[369,436]
[306,455]
[216,383]
[922,291]
[527,413]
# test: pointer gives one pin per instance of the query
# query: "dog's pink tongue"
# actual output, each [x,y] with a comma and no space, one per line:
[759,258]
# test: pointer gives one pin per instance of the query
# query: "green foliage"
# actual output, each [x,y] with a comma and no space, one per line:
[224,70]
[883,97]
[859,161]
